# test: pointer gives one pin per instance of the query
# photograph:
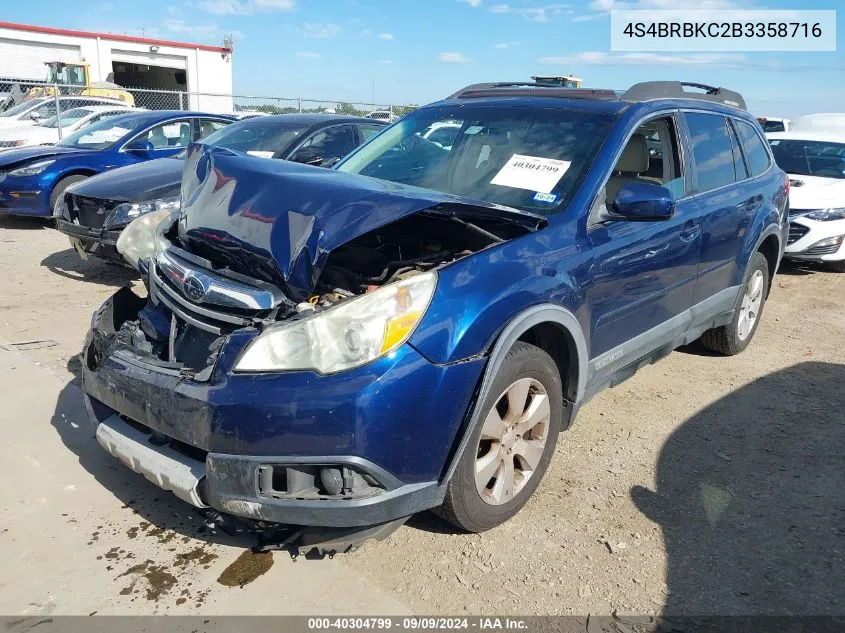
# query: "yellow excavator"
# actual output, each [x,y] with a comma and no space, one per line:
[559,81]
[75,78]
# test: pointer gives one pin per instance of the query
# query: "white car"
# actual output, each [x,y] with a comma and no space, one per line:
[815,162]
[774,124]
[443,133]
[47,132]
[22,113]
[34,111]
[381,115]
[243,115]
[823,122]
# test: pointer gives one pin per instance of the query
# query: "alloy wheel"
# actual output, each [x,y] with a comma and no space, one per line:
[513,440]
[749,309]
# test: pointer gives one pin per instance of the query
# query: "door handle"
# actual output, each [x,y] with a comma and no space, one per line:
[690,231]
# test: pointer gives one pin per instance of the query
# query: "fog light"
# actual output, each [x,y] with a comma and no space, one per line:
[332,480]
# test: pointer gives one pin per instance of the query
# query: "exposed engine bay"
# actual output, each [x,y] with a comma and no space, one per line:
[399,250]
[196,303]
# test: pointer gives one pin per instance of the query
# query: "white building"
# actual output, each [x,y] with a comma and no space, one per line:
[133,62]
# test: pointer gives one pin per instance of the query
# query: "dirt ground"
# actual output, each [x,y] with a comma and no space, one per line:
[702,485]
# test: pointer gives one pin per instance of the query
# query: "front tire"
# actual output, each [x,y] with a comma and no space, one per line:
[511,448]
[733,338]
[61,186]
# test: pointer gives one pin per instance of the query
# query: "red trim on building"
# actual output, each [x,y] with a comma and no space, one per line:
[109,36]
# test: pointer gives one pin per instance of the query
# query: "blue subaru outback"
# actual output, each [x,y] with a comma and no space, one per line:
[413,329]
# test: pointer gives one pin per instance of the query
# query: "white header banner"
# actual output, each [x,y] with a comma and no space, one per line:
[722,31]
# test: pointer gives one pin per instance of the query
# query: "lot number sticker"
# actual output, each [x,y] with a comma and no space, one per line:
[531,172]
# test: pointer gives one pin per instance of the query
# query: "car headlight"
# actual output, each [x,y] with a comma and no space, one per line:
[126,212]
[825,215]
[144,237]
[351,334]
[32,170]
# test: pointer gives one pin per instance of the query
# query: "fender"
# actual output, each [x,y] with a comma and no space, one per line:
[771,229]
[543,313]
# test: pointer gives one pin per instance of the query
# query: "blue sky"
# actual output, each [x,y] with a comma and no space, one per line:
[410,51]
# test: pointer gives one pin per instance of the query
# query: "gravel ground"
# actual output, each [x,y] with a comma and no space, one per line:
[703,484]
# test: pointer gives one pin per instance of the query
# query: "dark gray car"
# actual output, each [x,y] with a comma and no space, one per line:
[96,211]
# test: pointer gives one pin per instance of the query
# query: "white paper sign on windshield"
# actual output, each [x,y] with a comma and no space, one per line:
[260,154]
[531,172]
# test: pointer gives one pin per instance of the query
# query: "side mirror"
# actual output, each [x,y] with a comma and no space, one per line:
[35,116]
[141,148]
[640,201]
[308,156]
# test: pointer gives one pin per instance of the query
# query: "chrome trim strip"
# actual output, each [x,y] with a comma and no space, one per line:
[174,296]
[186,317]
[215,289]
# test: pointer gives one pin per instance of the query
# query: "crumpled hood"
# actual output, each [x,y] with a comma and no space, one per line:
[278,220]
[141,182]
[15,157]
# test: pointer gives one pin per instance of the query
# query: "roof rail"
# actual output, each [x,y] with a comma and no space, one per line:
[651,90]
[528,88]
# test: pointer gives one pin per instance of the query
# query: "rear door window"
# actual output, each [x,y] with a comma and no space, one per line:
[207,126]
[332,142]
[712,151]
[755,150]
[170,135]
[368,130]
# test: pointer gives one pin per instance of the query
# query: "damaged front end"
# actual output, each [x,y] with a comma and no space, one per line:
[297,243]
[267,367]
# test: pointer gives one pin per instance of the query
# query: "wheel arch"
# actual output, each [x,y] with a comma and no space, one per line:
[555,330]
[769,246]
[76,171]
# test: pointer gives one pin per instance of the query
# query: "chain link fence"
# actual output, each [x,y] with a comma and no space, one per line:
[57,98]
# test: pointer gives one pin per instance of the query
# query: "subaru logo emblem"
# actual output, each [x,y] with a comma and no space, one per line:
[193,289]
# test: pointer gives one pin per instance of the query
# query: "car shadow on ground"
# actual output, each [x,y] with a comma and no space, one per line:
[793,268]
[69,264]
[24,223]
[151,504]
[750,496]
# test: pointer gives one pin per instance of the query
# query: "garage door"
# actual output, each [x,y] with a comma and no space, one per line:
[25,60]
[152,59]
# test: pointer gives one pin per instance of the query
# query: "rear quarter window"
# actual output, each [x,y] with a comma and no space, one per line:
[755,150]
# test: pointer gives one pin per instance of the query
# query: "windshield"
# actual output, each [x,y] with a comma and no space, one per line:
[22,107]
[810,158]
[258,136]
[68,118]
[69,75]
[528,158]
[104,133]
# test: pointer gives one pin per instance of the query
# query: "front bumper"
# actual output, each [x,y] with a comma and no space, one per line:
[805,236]
[98,242]
[395,420]
[23,201]
[229,483]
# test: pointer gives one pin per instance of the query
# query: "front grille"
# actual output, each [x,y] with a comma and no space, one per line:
[218,303]
[817,251]
[90,212]
[796,232]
